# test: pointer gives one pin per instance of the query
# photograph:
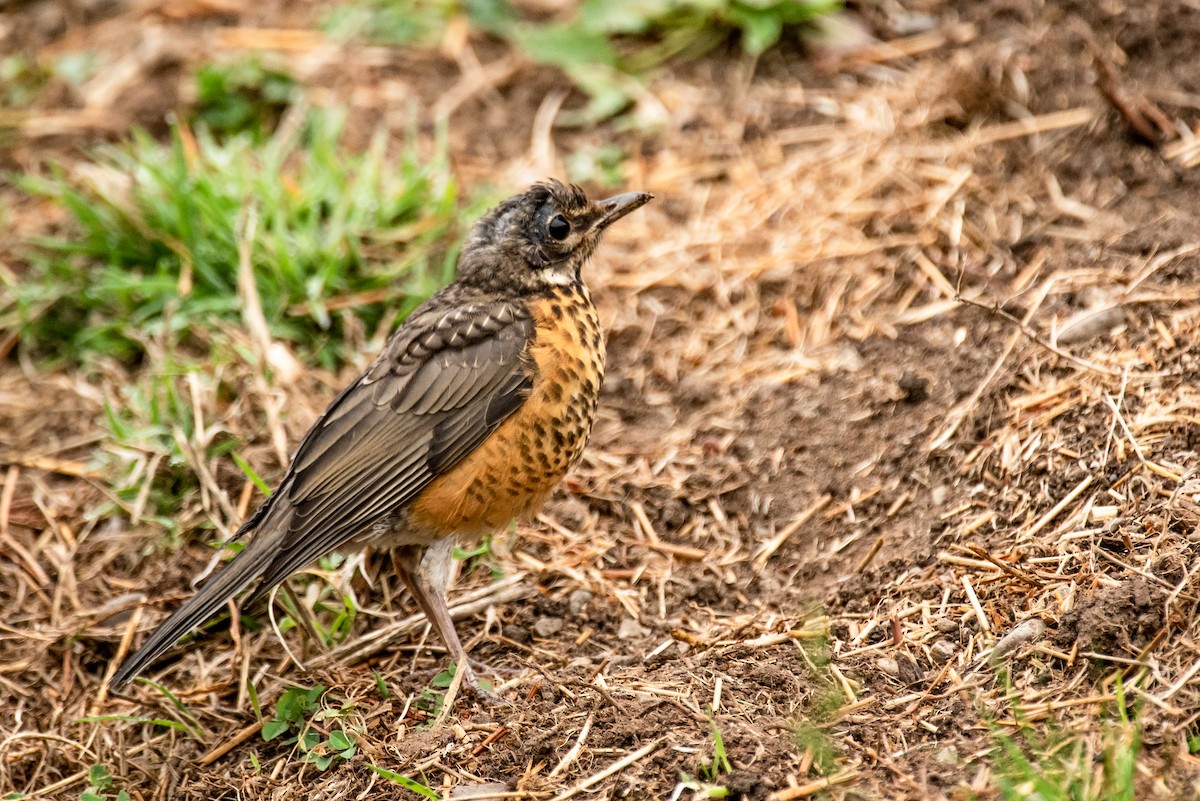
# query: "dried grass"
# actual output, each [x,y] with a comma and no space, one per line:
[797,225]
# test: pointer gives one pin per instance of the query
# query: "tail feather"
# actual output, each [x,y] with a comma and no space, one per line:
[244,569]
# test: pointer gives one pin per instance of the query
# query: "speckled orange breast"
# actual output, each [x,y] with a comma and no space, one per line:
[513,471]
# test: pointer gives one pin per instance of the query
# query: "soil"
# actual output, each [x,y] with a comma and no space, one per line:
[721,453]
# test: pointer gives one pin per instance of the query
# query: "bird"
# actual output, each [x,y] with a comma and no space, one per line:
[475,408]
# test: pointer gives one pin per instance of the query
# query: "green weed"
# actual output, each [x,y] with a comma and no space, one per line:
[432,698]
[1057,766]
[100,786]
[149,426]
[391,21]
[481,555]
[820,707]
[298,713]
[242,97]
[332,612]
[151,254]
[405,782]
[605,47]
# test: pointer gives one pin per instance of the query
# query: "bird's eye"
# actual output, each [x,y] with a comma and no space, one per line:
[559,227]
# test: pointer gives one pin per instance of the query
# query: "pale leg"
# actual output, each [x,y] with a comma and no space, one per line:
[425,572]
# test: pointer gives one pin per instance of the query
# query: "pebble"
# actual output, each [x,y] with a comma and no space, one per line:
[578,600]
[943,650]
[946,756]
[548,626]
[888,665]
[630,629]
[947,626]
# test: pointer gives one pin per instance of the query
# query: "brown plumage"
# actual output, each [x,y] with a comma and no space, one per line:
[476,407]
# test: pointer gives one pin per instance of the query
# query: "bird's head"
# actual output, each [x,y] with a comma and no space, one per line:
[540,238]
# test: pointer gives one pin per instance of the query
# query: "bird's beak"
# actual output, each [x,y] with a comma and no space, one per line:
[618,206]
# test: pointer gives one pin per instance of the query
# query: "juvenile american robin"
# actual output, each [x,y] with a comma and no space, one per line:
[477,406]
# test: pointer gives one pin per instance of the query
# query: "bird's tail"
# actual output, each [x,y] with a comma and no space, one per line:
[244,569]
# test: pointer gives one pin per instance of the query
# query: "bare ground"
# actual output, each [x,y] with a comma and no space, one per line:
[823,488]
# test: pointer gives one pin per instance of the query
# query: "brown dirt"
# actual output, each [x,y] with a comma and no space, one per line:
[777,335]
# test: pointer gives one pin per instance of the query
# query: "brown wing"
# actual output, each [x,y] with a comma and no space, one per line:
[427,402]
[445,381]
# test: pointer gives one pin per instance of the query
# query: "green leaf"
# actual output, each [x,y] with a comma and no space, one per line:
[761,28]
[443,679]
[565,45]
[404,782]
[339,740]
[309,740]
[490,16]
[169,724]
[252,475]
[252,693]
[99,777]
[188,719]
[273,728]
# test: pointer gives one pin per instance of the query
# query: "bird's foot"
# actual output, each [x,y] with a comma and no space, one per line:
[483,689]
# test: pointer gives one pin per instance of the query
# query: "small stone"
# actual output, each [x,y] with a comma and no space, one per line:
[548,626]
[946,626]
[943,651]
[888,665]
[938,494]
[517,634]
[1024,633]
[630,629]
[578,601]
[946,756]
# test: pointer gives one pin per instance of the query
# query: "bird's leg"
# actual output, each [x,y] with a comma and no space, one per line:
[425,572]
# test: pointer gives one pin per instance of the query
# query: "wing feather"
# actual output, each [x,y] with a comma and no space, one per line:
[444,382]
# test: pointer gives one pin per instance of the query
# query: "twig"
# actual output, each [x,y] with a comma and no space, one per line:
[769,547]
[571,755]
[460,671]
[984,625]
[813,787]
[615,767]
[230,744]
[1033,336]
[1146,119]
[122,650]
[511,588]
[961,410]
[1045,519]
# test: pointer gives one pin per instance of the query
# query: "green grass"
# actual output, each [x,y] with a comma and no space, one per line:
[606,47]
[1055,765]
[242,97]
[408,784]
[151,252]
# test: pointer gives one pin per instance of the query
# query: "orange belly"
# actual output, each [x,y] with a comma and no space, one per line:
[515,468]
